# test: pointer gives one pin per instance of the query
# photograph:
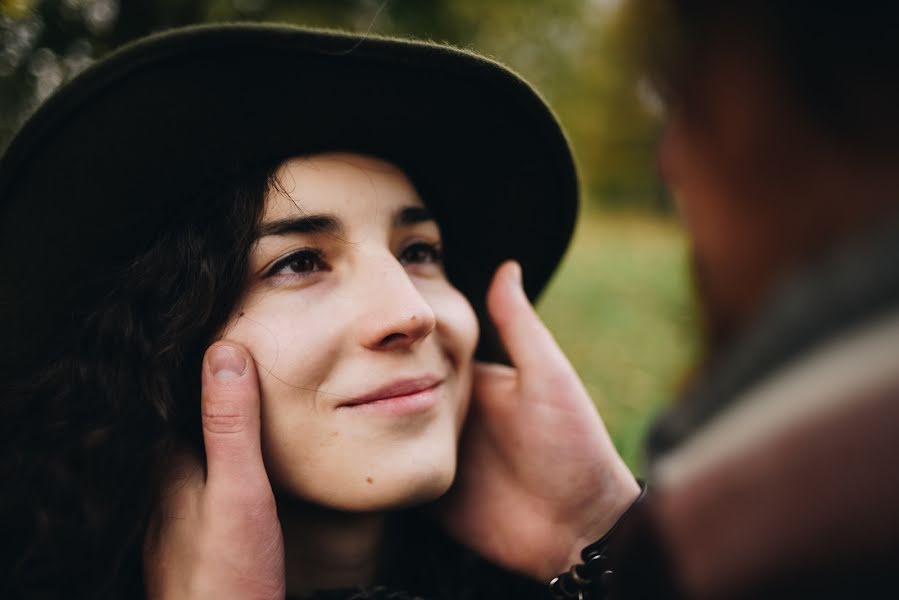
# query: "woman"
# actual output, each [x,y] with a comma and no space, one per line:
[281,188]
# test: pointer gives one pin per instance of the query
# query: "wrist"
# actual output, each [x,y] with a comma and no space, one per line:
[613,504]
[591,570]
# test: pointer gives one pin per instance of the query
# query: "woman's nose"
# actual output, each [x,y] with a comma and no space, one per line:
[398,315]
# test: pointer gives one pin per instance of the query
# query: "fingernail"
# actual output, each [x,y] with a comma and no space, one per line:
[516,274]
[226,363]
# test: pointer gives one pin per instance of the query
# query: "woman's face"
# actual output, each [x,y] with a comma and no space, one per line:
[363,348]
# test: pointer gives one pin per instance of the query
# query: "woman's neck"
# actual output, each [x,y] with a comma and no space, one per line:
[327,549]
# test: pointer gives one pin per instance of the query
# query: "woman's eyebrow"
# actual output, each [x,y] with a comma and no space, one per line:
[411,215]
[306,224]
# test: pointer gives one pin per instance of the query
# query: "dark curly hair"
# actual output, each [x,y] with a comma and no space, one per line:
[86,433]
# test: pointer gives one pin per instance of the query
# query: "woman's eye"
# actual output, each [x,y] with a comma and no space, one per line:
[421,253]
[301,262]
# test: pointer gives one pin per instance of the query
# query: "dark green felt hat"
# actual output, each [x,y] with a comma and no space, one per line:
[107,162]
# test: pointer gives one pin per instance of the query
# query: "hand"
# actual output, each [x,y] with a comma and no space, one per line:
[217,533]
[539,478]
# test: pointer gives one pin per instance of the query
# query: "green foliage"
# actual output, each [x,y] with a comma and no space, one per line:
[621,308]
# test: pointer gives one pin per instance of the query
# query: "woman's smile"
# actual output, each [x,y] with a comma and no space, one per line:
[400,397]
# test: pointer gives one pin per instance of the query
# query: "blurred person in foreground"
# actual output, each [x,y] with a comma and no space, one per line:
[773,475]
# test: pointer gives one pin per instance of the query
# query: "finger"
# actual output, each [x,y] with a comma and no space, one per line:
[490,370]
[177,509]
[231,423]
[494,386]
[489,376]
[183,480]
[528,342]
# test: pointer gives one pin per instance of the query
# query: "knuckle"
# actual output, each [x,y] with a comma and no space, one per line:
[497,382]
[224,422]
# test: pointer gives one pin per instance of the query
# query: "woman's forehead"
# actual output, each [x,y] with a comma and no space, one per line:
[342,184]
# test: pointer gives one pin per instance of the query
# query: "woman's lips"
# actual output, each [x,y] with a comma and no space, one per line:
[403,396]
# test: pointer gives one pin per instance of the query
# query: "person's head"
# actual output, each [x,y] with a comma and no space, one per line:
[363,346]
[311,228]
[782,135]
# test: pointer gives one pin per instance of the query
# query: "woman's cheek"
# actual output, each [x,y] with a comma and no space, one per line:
[457,323]
[256,336]
[293,344]
[457,331]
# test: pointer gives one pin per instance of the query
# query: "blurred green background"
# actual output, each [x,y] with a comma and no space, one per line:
[621,305]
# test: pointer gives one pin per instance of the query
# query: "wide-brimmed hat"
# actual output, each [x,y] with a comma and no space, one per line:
[100,169]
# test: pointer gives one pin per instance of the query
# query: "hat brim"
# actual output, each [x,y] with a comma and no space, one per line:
[99,169]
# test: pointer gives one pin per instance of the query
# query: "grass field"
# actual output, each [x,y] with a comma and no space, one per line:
[621,308]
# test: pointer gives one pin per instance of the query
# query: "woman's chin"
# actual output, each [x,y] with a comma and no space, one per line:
[373,493]
[424,491]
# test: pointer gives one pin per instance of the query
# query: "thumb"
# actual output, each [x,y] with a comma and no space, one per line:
[528,342]
[231,423]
